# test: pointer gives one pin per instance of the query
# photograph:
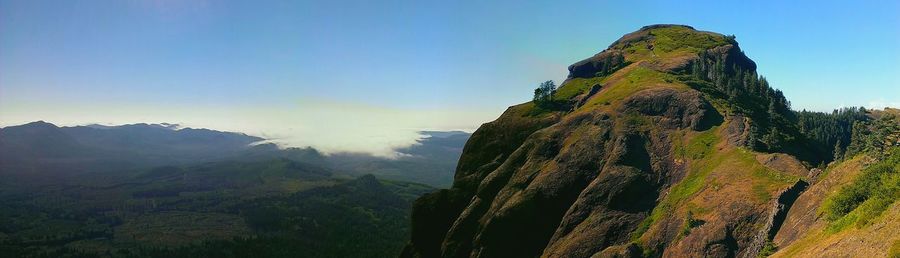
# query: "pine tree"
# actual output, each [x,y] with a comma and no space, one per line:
[838,151]
[543,94]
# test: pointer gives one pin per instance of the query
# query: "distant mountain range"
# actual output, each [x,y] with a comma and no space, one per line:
[42,152]
[41,149]
[158,190]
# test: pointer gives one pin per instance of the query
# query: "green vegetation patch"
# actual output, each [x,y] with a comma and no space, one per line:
[689,223]
[669,39]
[700,151]
[866,197]
[895,250]
[672,42]
[765,180]
[701,145]
[691,184]
[768,249]
[633,122]
[576,86]
[637,79]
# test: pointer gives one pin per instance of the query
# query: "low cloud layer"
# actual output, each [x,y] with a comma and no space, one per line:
[326,125]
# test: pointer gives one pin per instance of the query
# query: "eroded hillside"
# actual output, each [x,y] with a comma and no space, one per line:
[666,144]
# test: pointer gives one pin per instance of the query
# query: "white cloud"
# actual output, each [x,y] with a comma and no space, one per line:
[882,103]
[329,126]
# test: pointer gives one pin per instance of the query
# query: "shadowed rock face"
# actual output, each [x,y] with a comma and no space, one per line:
[584,181]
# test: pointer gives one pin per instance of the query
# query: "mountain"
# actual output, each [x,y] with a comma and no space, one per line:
[44,151]
[148,190]
[38,139]
[666,144]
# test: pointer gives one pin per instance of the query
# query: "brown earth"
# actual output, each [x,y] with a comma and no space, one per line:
[636,164]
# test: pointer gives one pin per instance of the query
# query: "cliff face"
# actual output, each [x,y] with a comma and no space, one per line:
[634,160]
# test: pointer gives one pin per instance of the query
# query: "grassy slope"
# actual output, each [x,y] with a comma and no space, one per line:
[869,228]
[669,43]
[715,170]
[673,43]
[713,167]
[875,240]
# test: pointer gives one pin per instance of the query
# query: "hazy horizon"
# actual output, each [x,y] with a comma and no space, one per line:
[288,128]
[364,76]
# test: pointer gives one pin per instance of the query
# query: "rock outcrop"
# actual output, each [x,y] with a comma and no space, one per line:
[641,163]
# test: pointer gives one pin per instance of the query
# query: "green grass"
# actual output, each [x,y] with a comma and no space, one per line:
[670,39]
[576,86]
[637,79]
[691,184]
[765,180]
[689,223]
[700,151]
[895,250]
[768,249]
[672,42]
[866,197]
[634,121]
[701,145]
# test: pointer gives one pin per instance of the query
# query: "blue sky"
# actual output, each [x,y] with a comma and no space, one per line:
[348,72]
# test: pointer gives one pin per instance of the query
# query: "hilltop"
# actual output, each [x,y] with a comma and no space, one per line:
[668,143]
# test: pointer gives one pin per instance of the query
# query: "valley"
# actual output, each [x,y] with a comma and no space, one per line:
[72,197]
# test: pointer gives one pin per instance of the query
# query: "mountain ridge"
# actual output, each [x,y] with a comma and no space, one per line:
[41,152]
[660,145]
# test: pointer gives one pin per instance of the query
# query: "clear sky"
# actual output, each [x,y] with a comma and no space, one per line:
[365,75]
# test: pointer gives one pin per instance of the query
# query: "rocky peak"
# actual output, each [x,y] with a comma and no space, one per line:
[627,162]
[663,47]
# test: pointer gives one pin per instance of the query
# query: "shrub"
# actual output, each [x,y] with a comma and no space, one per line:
[870,194]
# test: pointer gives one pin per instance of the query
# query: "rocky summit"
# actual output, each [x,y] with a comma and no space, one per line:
[666,144]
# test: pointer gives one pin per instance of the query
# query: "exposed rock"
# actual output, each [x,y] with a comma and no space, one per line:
[777,213]
[601,64]
[813,174]
[622,251]
[734,56]
[803,214]
[583,98]
[675,109]
[580,182]
[784,163]
[737,130]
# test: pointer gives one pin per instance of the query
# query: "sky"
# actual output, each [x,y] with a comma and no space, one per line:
[367,75]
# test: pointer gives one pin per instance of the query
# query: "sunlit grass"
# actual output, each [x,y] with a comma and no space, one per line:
[866,197]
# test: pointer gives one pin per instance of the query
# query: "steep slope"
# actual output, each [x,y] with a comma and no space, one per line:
[853,208]
[807,233]
[646,150]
